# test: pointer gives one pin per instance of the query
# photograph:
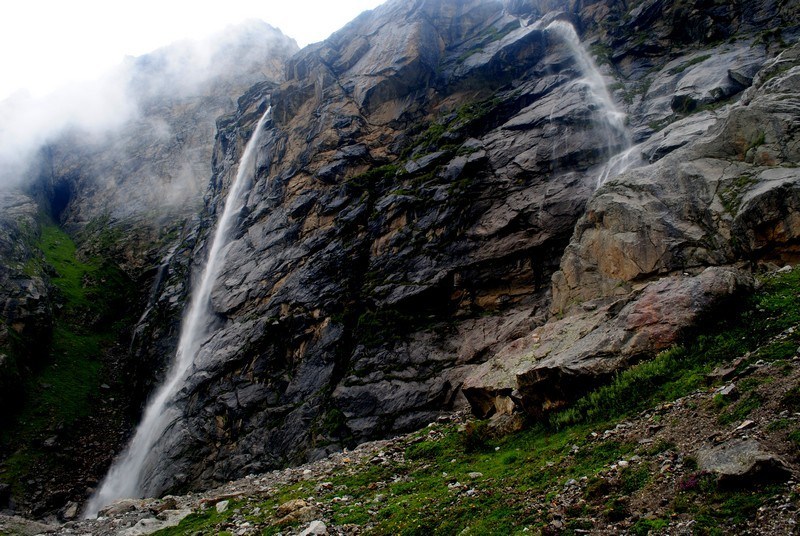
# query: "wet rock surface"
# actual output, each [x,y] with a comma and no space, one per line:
[25,305]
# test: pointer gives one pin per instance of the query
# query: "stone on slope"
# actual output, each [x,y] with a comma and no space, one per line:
[316,528]
[742,462]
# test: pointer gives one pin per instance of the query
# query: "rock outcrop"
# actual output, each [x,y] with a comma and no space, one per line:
[425,170]
[727,198]
[25,307]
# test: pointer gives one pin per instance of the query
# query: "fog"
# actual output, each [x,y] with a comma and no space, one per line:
[140,134]
[27,123]
[45,46]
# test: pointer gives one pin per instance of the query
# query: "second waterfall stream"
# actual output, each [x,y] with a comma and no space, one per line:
[621,155]
[129,471]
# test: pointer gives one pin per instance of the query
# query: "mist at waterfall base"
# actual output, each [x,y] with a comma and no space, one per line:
[621,155]
[128,474]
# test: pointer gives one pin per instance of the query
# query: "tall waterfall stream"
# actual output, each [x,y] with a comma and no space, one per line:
[129,471]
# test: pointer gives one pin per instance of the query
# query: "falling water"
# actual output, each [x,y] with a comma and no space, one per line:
[613,118]
[128,472]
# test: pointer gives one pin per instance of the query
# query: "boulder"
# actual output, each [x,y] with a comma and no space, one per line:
[316,528]
[561,360]
[742,462]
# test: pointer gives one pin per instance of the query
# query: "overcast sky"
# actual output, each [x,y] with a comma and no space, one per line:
[47,43]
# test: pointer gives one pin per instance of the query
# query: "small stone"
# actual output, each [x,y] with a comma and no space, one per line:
[291,506]
[222,506]
[475,475]
[745,425]
[167,503]
[785,270]
[316,528]
[71,511]
[622,464]
[728,391]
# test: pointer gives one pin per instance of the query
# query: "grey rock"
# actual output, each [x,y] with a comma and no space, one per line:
[24,527]
[316,528]
[742,462]
[729,391]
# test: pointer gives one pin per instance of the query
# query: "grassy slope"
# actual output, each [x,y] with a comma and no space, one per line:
[521,474]
[64,390]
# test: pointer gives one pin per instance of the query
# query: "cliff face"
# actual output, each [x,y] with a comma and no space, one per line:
[429,168]
[149,176]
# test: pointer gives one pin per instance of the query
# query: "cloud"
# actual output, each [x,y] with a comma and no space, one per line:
[27,123]
[141,88]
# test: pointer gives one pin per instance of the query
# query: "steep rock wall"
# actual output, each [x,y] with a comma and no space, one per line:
[424,172]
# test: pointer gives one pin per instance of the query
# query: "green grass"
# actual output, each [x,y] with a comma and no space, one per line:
[714,509]
[92,295]
[742,409]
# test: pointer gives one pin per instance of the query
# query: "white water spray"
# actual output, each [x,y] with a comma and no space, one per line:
[129,470]
[614,119]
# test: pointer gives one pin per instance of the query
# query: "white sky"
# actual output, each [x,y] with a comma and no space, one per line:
[47,43]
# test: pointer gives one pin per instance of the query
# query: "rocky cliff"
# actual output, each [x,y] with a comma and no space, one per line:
[431,226]
[430,168]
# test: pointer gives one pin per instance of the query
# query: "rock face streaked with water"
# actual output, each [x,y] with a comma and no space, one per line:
[425,229]
[130,476]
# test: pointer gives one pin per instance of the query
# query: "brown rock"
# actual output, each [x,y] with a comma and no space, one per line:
[290,507]
[563,358]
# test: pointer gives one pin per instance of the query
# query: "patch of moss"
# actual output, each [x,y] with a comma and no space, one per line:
[93,297]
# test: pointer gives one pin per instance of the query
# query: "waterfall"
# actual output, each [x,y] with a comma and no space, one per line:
[613,119]
[128,472]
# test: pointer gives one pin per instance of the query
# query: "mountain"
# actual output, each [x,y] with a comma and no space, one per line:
[456,205]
